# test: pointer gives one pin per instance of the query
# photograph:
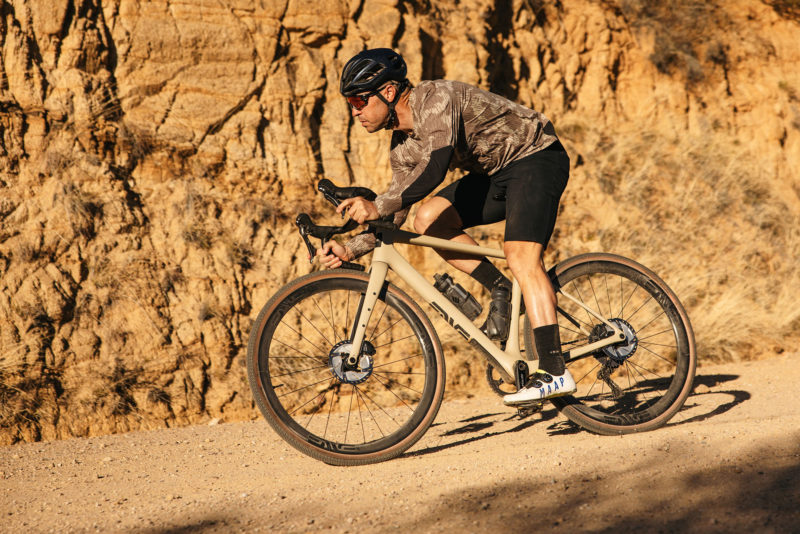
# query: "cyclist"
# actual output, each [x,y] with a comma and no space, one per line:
[517,171]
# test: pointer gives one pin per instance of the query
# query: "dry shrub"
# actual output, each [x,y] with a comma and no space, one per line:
[683,34]
[200,214]
[81,208]
[135,142]
[19,407]
[789,9]
[705,215]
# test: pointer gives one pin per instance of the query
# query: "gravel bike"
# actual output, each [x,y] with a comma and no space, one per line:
[348,369]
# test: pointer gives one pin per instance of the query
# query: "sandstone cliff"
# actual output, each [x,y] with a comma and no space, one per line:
[153,155]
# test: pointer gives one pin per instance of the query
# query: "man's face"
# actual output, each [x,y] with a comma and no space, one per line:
[374,114]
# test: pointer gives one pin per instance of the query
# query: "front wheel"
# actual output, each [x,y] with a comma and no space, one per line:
[634,385]
[341,414]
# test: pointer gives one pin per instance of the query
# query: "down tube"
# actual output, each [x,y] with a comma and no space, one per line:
[387,254]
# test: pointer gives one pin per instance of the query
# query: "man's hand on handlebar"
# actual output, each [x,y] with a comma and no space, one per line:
[332,254]
[359,209]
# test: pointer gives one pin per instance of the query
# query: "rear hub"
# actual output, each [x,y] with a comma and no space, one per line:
[618,352]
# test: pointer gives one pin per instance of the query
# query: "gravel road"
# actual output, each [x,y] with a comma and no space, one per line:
[729,462]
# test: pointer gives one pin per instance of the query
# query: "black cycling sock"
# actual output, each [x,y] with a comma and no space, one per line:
[489,276]
[548,347]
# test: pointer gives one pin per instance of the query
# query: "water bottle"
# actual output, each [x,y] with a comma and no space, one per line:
[457,295]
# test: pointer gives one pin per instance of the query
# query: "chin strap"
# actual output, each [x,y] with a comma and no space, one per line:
[392,122]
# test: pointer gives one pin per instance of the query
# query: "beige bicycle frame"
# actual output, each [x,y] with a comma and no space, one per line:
[387,257]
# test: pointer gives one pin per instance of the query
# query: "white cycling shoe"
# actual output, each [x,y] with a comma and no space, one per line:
[542,386]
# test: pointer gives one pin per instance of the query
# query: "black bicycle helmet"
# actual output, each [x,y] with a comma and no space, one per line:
[367,71]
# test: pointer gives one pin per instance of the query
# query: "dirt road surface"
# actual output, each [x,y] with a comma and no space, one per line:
[729,462]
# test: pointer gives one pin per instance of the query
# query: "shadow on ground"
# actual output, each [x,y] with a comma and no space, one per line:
[484,426]
[650,496]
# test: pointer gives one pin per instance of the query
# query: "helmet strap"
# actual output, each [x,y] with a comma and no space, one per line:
[392,122]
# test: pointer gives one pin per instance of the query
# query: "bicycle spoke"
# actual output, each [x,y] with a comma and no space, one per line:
[302,371]
[594,294]
[364,398]
[318,359]
[622,310]
[349,411]
[330,409]
[377,377]
[325,339]
[380,407]
[656,334]
[374,337]
[385,307]
[648,323]
[393,381]
[587,373]
[323,392]
[304,387]
[632,369]
[395,361]
[301,337]
[395,341]
[630,317]
[327,319]
[650,343]
[360,416]
[657,355]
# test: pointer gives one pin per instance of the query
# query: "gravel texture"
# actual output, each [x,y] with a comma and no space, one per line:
[730,461]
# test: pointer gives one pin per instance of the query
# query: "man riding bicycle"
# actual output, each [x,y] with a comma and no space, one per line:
[517,171]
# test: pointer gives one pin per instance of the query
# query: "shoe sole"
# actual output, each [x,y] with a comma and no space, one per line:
[534,401]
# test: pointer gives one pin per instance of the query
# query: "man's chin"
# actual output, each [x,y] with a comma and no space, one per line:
[371,128]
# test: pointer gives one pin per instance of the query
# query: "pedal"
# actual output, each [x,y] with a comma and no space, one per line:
[526,410]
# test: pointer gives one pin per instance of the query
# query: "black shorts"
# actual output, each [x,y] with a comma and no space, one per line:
[525,193]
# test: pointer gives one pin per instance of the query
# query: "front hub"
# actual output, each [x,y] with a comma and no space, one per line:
[351,374]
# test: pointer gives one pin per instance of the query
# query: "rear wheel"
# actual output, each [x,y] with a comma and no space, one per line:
[639,383]
[340,414]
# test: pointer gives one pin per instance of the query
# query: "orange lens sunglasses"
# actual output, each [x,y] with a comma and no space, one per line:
[359,102]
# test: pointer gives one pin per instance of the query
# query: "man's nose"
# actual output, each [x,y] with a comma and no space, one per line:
[355,112]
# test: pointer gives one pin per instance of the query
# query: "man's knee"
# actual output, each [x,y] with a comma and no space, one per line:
[435,214]
[523,255]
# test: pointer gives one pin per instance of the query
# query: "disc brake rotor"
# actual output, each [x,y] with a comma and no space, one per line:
[618,352]
[354,374]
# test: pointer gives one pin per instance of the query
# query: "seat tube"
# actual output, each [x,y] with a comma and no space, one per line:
[377,276]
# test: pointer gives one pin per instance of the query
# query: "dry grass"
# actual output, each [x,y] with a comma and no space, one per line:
[706,216]
[684,34]
[80,208]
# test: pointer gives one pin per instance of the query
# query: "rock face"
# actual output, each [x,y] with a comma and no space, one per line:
[153,155]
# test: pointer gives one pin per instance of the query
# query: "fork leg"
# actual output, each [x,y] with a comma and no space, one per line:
[377,276]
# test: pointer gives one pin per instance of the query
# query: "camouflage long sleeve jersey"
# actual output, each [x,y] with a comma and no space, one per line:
[456,125]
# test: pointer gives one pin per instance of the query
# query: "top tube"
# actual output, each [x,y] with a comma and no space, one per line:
[402,236]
